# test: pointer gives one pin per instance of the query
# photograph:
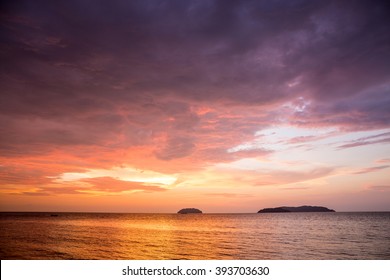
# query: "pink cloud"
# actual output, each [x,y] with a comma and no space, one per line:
[383,160]
[379,188]
[294,188]
[111,185]
[95,186]
[371,169]
[363,143]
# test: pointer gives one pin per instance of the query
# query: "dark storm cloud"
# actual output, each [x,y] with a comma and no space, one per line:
[100,70]
[165,45]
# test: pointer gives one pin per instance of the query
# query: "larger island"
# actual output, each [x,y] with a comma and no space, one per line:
[287,209]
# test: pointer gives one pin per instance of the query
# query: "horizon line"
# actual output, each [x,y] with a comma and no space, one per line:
[99,212]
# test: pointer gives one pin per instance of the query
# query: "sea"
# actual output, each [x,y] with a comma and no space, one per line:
[275,236]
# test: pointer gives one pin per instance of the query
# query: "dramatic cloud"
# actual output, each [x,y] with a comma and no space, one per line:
[177,88]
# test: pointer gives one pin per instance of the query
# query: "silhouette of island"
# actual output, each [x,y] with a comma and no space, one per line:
[285,209]
[189,211]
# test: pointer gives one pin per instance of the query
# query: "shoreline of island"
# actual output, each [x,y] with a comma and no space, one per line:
[298,209]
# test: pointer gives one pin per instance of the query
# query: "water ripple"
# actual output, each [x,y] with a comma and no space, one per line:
[206,236]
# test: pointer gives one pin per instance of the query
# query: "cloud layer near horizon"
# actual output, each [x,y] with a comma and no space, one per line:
[174,86]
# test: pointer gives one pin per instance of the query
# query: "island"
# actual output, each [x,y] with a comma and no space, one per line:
[189,211]
[287,209]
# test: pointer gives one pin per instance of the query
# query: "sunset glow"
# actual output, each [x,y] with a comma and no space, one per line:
[227,106]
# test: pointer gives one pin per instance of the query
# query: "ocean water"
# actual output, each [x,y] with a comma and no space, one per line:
[195,236]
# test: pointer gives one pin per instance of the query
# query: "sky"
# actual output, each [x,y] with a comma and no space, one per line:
[226,106]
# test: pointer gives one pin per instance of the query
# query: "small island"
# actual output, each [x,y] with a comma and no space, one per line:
[285,209]
[189,211]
